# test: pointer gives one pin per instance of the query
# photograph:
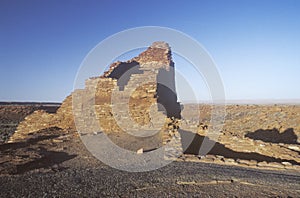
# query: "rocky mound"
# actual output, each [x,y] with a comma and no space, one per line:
[144,84]
[11,114]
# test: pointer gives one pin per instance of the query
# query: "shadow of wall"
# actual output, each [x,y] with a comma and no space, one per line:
[192,142]
[274,136]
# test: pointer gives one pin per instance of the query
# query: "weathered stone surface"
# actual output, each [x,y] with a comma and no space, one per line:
[40,119]
[140,87]
[275,165]
[266,131]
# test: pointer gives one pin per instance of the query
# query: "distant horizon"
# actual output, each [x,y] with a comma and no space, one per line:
[255,44]
[227,102]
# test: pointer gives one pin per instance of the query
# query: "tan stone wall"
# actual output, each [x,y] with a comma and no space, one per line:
[95,111]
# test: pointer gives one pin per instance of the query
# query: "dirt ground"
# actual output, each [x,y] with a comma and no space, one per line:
[53,162]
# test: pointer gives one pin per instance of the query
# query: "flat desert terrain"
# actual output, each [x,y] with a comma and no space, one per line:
[257,154]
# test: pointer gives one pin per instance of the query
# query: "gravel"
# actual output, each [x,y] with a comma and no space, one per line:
[179,179]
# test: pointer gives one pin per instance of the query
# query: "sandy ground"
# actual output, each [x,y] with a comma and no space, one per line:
[55,163]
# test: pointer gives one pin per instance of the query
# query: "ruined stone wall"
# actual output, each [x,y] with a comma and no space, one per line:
[138,95]
[138,86]
[41,119]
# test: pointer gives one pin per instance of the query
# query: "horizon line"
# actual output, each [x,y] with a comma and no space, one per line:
[230,101]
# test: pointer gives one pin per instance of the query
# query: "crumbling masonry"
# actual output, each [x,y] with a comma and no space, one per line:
[137,96]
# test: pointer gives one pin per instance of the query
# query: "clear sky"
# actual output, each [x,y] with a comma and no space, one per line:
[255,44]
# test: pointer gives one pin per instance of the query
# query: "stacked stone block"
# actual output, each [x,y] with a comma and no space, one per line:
[112,103]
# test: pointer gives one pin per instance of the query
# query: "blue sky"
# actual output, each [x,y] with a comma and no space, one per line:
[255,44]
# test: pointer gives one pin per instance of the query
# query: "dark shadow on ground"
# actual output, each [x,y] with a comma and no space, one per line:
[35,153]
[31,141]
[191,143]
[12,113]
[274,136]
[48,158]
